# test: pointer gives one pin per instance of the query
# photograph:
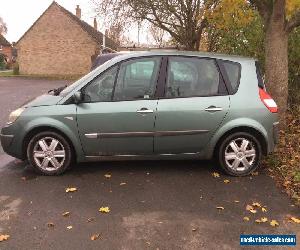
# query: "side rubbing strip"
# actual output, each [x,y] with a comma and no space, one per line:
[91,136]
[144,134]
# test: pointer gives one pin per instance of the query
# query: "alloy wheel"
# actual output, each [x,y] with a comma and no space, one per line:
[49,154]
[240,154]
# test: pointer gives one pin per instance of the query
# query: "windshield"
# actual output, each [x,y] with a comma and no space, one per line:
[71,87]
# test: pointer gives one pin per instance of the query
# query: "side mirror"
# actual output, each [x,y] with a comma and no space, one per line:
[77,97]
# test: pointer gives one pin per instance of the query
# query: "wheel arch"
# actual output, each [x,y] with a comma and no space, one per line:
[40,129]
[253,131]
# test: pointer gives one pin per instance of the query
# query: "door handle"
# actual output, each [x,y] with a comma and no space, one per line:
[213,109]
[144,111]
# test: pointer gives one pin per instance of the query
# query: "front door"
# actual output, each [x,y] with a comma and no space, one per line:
[118,112]
[194,105]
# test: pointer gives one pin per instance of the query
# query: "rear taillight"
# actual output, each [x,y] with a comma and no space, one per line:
[268,101]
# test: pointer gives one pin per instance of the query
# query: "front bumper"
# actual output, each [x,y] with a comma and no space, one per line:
[6,141]
[9,142]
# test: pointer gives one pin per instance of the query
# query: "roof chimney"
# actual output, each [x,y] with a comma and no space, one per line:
[78,12]
[95,24]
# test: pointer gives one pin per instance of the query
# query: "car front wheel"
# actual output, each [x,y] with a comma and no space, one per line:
[49,153]
[239,154]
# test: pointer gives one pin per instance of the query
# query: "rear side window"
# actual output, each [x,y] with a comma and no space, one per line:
[233,71]
[192,77]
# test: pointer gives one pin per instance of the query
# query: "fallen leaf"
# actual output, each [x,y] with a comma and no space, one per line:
[123,183]
[104,209]
[90,219]
[220,208]
[71,189]
[263,209]
[294,219]
[253,211]
[215,174]
[274,223]
[50,224]
[258,221]
[226,181]
[249,207]
[4,237]
[194,229]
[107,176]
[236,201]
[246,218]
[95,236]
[69,227]
[66,214]
[256,204]
[264,219]
[254,173]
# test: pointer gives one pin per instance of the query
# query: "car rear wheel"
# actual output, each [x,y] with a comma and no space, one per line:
[239,154]
[49,153]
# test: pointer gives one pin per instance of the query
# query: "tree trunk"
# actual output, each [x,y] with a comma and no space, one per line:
[276,56]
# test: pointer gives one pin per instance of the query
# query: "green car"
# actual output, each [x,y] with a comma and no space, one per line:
[150,105]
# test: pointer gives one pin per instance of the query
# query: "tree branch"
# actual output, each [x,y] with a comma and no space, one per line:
[294,22]
[263,7]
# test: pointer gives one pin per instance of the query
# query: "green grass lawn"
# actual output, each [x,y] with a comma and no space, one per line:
[9,73]
[6,73]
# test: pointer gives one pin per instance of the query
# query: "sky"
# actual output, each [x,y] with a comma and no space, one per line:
[19,15]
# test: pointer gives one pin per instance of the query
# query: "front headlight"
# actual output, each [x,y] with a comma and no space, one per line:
[14,115]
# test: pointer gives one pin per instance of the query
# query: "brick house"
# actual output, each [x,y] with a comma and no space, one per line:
[5,48]
[60,43]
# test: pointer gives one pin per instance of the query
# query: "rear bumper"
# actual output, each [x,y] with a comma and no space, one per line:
[276,132]
[273,137]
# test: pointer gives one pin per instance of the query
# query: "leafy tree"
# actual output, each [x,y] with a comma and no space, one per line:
[280,18]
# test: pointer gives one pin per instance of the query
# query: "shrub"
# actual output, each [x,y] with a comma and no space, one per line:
[16,69]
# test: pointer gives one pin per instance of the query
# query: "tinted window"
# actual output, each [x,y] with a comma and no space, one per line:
[233,72]
[192,77]
[101,59]
[137,79]
[260,79]
[101,88]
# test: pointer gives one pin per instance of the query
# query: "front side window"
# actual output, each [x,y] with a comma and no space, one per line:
[192,77]
[101,88]
[137,79]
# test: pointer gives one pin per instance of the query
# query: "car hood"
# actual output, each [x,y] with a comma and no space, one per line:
[42,100]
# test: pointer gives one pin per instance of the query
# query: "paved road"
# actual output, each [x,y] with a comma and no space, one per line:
[163,205]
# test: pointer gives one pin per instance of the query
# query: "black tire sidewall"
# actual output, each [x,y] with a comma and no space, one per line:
[62,140]
[221,153]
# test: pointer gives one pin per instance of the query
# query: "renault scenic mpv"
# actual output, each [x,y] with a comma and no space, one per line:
[150,105]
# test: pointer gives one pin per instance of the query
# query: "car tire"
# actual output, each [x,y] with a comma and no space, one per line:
[49,153]
[239,154]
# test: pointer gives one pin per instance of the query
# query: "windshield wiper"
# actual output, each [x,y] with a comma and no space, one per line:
[57,91]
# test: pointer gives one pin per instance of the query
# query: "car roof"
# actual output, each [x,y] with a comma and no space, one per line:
[131,54]
[236,58]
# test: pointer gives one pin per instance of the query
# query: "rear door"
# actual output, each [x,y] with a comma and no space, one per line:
[194,105]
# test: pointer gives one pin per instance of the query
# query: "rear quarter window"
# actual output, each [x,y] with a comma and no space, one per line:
[233,71]
[259,74]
